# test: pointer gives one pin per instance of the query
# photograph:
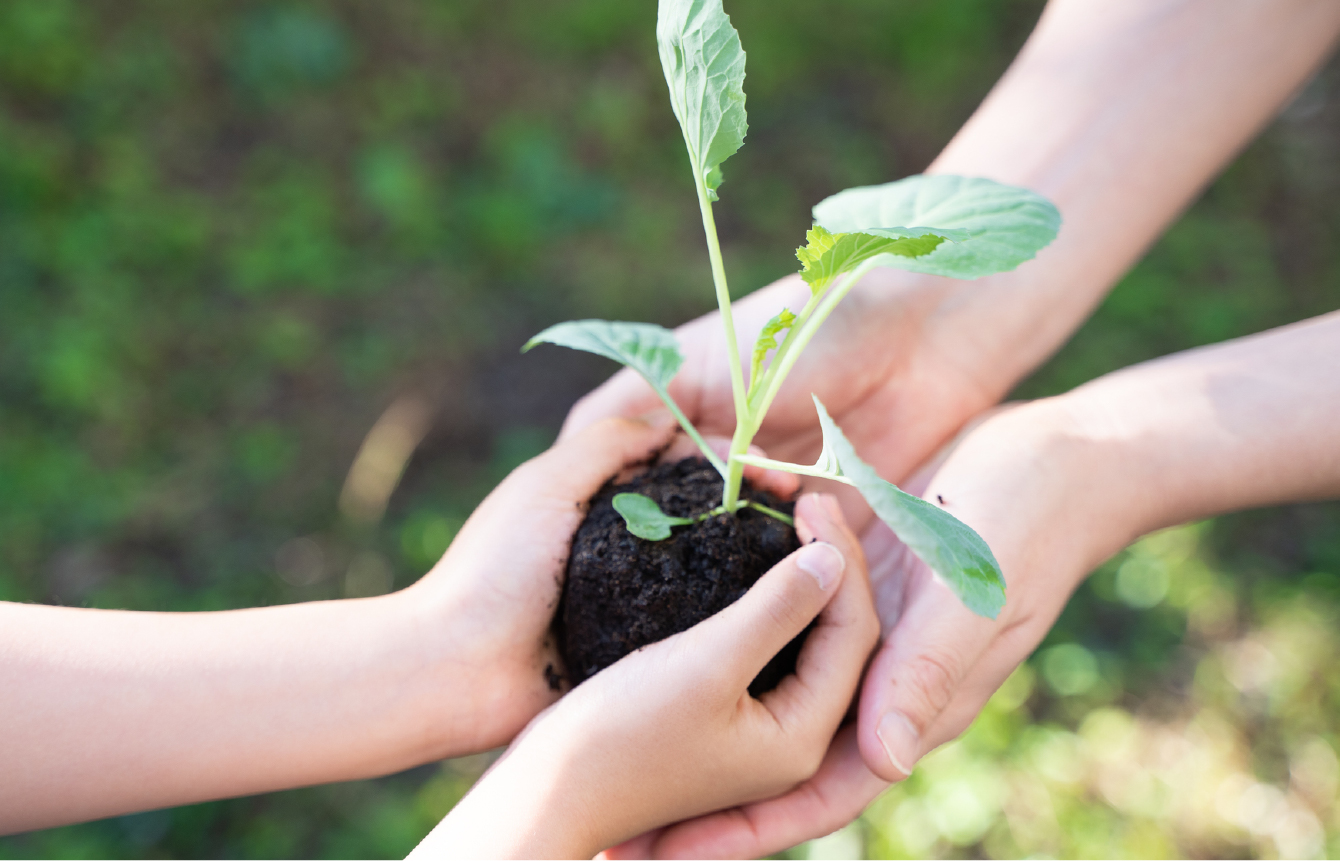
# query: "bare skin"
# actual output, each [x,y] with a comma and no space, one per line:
[1055,487]
[1119,113]
[671,730]
[108,712]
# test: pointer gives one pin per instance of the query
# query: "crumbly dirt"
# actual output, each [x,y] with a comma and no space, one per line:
[623,593]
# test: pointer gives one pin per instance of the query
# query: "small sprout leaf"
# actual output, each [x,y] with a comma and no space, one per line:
[645,518]
[957,554]
[767,340]
[704,68]
[652,351]
[829,255]
[992,227]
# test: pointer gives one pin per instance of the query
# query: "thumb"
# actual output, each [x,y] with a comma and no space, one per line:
[924,661]
[774,610]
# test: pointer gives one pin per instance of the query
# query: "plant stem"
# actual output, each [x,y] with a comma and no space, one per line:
[723,302]
[720,509]
[799,337]
[761,385]
[743,420]
[794,468]
[692,431]
[739,444]
[772,512]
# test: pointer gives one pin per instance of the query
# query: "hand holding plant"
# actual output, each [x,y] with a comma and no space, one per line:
[1056,486]
[670,731]
[940,225]
[498,583]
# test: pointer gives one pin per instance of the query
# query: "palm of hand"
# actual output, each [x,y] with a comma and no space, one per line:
[879,364]
[499,582]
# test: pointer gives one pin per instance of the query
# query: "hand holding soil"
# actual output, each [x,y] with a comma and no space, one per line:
[498,584]
[670,731]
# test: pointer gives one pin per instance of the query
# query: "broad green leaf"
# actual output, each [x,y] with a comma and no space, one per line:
[829,255]
[995,227]
[704,68]
[645,518]
[652,351]
[956,553]
[767,340]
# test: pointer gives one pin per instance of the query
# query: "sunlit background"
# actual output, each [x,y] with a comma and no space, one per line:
[259,259]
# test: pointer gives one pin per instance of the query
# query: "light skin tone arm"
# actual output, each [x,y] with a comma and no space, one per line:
[107,712]
[671,730]
[1055,487]
[1121,114]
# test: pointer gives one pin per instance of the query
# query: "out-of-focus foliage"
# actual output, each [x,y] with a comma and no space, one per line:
[232,234]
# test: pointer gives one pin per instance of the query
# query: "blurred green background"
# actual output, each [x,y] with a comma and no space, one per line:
[232,234]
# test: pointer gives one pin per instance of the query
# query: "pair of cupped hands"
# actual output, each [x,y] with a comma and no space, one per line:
[665,754]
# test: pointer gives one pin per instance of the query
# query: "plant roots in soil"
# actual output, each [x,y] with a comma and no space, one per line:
[623,593]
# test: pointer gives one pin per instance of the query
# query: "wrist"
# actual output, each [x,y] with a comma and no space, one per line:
[1042,488]
[989,333]
[451,686]
[1108,496]
[528,805]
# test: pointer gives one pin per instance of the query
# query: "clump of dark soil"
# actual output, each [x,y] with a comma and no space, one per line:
[623,593]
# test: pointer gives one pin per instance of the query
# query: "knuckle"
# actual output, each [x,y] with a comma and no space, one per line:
[927,684]
[807,763]
[786,613]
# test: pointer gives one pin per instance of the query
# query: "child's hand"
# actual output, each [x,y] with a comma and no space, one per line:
[485,608]
[670,731]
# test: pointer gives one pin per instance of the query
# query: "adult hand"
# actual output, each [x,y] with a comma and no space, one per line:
[1055,487]
[1120,114]
[1019,482]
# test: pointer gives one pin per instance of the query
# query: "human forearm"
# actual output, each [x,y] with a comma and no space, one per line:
[1120,113]
[109,712]
[1239,425]
[1059,485]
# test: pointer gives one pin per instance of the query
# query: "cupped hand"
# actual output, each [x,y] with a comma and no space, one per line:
[670,731]
[1029,482]
[485,609]
[898,365]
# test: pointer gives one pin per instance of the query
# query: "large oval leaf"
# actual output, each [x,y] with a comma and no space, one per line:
[992,227]
[704,68]
[652,351]
[953,550]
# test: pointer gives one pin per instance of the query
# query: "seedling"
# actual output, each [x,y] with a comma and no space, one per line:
[940,225]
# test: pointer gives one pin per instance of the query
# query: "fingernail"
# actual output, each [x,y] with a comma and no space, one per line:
[822,561]
[901,742]
[832,508]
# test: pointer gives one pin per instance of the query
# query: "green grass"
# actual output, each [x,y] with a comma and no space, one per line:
[232,233]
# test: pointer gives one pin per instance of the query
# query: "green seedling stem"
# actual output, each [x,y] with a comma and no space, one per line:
[921,218]
[734,471]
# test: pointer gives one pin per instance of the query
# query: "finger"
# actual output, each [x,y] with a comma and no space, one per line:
[836,794]
[918,672]
[1006,653]
[576,467]
[772,612]
[639,847]
[830,664]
